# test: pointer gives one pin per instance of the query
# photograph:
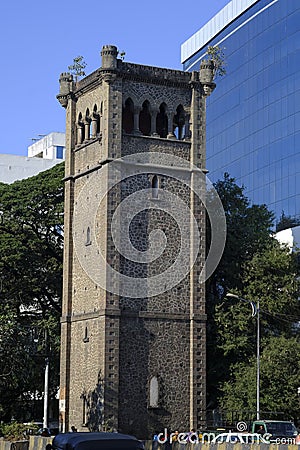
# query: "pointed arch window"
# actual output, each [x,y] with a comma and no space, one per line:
[145,119]
[80,130]
[100,117]
[87,125]
[95,122]
[155,187]
[128,116]
[179,123]
[162,121]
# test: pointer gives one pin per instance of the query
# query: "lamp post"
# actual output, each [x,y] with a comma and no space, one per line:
[46,382]
[46,378]
[46,392]
[255,312]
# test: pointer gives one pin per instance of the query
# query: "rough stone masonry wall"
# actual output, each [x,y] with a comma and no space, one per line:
[121,343]
[155,331]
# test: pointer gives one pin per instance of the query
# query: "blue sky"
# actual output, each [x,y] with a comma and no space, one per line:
[40,38]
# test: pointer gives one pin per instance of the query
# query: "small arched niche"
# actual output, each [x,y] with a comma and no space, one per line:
[153,392]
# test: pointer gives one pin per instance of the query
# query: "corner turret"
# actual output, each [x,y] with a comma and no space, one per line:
[109,55]
[66,86]
[207,72]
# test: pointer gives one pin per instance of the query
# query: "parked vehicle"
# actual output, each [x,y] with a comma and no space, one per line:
[46,432]
[277,428]
[96,441]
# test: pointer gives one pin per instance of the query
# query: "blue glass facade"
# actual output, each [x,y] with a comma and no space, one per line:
[253,116]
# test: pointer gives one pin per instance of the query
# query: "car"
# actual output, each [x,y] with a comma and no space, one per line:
[96,441]
[277,428]
[47,432]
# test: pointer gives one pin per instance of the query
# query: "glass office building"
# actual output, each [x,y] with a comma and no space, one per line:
[253,116]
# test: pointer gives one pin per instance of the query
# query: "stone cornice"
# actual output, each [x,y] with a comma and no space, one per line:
[156,315]
[149,166]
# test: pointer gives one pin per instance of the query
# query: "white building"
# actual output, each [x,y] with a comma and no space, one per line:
[51,146]
[42,155]
[290,237]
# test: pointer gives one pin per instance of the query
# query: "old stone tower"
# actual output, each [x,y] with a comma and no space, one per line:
[133,320]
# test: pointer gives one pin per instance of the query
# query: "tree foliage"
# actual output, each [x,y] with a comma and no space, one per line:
[255,267]
[31,243]
[279,373]
[248,229]
[78,66]
[217,55]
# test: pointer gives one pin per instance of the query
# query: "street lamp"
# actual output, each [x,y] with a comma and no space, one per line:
[255,312]
[46,379]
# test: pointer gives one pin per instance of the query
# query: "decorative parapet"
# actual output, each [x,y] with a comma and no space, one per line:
[112,67]
[156,75]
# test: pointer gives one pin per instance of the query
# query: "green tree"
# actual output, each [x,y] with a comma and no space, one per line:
[249,228]
[279,373]
[217,55]
[78,66]
[271,278]
[31,245]
[254,266]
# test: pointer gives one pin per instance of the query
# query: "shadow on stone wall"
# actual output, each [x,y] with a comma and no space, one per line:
[94,400]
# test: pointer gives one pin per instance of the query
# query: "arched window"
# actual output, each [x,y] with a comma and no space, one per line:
[155,186]
[95,122]
[145,119]
[87,124]
[162,121]
[179,122]
[128,116]
[100,118]
[153,393]
[80,129]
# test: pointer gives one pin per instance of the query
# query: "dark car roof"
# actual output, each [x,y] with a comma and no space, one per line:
[96,441]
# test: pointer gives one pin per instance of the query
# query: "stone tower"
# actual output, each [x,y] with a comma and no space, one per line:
[133,319]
